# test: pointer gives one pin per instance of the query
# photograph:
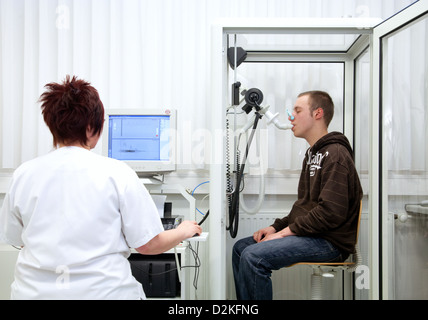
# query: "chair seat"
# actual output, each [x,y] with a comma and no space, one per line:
[333,264]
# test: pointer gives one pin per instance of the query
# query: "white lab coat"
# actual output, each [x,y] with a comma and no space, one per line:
[76,214]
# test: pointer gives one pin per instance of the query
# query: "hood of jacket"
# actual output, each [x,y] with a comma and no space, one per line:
[333,137]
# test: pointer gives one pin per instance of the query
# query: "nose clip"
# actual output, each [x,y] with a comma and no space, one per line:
[290,115]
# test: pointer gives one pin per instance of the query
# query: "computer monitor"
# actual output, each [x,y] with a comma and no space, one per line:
[144,139]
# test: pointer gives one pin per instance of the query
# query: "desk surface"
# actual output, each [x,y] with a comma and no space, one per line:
[202,237]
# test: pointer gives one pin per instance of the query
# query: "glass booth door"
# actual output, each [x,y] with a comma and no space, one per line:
[400,53]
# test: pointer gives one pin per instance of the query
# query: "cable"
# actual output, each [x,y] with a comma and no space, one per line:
[261,195]
[204,218]
[234,206]
[229,186]
[194,192]
[197,264]
[199,186]
[151,273]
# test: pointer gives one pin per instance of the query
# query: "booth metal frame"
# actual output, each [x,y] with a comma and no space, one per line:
[370,33]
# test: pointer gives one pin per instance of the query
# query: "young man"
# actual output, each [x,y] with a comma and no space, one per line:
[322,223]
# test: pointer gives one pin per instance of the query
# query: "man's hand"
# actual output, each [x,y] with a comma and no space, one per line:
[262,233]
[270,233]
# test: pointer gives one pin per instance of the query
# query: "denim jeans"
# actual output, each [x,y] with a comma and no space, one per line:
[253,262]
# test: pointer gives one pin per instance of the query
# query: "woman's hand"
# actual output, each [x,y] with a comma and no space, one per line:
[170,238]
[189,229]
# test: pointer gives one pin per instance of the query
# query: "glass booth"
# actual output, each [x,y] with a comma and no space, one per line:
[376,72]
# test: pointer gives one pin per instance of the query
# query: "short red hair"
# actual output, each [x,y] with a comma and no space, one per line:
[70,108]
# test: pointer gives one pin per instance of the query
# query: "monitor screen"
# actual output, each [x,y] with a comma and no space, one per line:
[143,139]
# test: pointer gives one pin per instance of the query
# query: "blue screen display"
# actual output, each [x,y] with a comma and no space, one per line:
[139,137]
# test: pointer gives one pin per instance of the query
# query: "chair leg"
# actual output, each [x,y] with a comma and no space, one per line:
[316,284]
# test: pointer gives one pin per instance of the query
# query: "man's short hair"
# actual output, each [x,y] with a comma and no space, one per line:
[321,99]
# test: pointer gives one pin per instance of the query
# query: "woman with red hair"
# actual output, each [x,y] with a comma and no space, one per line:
[76,214]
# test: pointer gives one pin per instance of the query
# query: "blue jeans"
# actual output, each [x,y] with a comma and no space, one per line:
[253,262]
